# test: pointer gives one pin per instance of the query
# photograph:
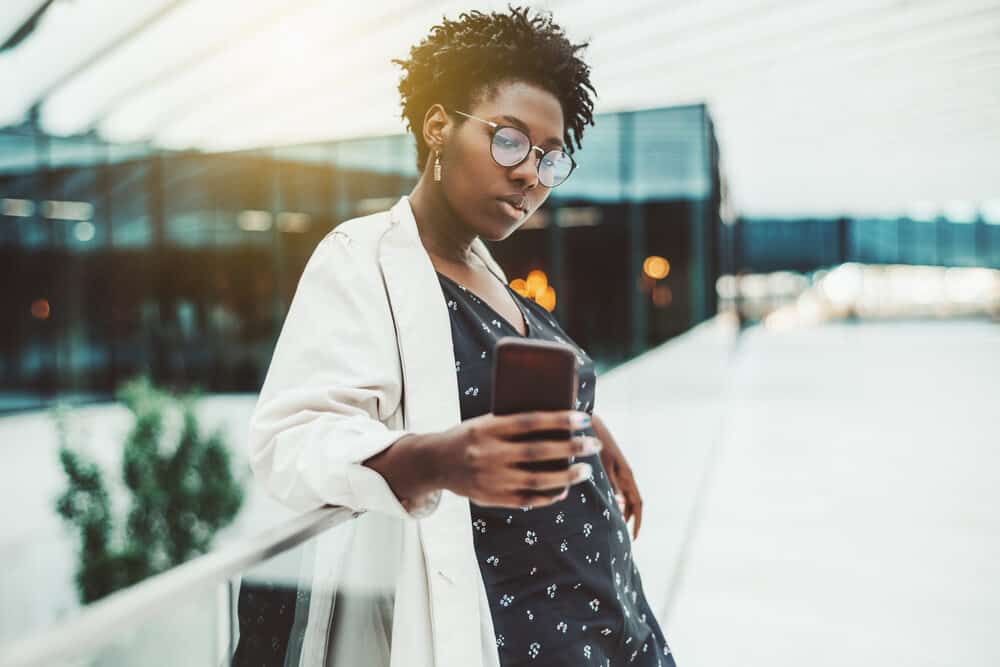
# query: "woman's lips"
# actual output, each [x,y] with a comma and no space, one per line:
[511,210]
[513,205]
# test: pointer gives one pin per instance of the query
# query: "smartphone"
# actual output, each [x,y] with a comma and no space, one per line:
[533,375]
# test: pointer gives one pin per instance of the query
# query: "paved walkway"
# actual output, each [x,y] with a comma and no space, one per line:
[850,511]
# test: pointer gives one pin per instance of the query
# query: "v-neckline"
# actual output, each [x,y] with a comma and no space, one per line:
[484,302]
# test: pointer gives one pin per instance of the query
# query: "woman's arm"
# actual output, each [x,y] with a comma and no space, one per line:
[620,475]
[332,384]
[409,467]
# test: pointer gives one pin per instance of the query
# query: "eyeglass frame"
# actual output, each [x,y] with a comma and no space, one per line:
[497,127]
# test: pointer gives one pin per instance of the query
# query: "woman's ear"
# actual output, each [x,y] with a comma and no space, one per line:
[437,127]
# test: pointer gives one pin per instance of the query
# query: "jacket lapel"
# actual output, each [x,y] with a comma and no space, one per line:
[431,403]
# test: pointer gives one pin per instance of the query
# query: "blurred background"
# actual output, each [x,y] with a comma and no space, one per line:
[781,247]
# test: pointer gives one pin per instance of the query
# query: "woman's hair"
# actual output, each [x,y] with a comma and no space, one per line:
[461,61]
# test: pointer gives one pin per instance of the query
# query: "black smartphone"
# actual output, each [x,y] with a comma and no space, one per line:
[533,375]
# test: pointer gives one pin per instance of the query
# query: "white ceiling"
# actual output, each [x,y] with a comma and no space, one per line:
[821,107]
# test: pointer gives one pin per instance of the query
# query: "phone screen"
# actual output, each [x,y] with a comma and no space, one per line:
[533,375]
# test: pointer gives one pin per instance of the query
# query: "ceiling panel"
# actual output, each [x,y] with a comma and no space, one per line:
[15,14]
[824,107]
[69,36]
[175,45]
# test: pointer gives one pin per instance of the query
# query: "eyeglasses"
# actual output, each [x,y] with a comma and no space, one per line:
[510,146]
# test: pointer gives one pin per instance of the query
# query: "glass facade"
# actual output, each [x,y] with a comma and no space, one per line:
[120,259]
[808,244]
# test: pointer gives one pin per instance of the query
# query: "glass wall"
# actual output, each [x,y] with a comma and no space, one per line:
[117,260]
[809,244]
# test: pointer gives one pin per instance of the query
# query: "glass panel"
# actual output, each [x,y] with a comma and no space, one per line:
[78,212]
[593,307]
[75,151]
[188,211]
[239,199]
[17,207]
[598,174]
[960,244]
[331,596]
[394,154]
[668,299]
[669,154]
[130,222]
[18,151]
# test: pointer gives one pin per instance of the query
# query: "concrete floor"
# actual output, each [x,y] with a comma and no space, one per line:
[848,511]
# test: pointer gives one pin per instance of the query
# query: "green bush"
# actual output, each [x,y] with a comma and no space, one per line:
[182,493]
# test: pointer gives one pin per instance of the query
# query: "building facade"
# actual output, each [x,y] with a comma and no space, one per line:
[119,260]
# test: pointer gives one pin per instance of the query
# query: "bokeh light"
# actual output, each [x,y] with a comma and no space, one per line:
[519,286]
[547,300]
[40,309]
[84,231]
[656,267]
[536,283]
[663,296]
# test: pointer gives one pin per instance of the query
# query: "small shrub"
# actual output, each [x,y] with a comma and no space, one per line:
[181,485]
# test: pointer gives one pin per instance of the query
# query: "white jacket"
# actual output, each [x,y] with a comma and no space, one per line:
[339,390]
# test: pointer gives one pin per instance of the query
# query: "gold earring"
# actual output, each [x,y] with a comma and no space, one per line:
[437,166]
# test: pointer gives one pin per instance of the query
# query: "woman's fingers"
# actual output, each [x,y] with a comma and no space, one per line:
[633,504]
[633,501]
[542,480]
[546,450]
[523,423]
[627,495]
[515,487]
[636,505]
[494,453]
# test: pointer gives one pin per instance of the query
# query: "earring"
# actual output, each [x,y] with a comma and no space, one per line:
[437,166]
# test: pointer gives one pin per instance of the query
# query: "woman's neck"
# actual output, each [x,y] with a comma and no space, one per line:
[443,234]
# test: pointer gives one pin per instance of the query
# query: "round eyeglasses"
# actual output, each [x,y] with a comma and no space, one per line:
[511,146]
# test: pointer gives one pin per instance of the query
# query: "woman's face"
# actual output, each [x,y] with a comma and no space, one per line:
[475,185]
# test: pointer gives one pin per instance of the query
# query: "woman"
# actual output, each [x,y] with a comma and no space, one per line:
[377,397]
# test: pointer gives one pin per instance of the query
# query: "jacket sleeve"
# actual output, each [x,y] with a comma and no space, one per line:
[332,380]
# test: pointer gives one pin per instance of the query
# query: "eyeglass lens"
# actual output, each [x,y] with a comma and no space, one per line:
[511,146]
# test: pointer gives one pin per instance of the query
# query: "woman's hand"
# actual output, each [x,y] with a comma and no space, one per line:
[481,460]
[620,476]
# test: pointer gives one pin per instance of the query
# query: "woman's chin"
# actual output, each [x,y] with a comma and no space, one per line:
[496,234]
[499,229]
[502,231]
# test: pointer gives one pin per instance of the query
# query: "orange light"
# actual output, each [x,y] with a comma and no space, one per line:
[519,286]
[548,299]
[40,309]
[662,296]
[656,267]
[536,283]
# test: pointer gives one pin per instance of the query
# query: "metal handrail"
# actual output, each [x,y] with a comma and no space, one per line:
[105,620]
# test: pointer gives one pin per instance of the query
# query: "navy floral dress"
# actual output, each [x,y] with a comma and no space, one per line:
[562,586]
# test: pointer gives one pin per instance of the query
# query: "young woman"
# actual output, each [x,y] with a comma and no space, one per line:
[378,394]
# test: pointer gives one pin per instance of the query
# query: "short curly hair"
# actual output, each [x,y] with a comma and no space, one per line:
[460,61]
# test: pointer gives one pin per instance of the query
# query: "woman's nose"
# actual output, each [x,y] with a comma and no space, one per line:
[527,171]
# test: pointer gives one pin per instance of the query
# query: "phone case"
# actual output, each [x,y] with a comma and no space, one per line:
[533,375]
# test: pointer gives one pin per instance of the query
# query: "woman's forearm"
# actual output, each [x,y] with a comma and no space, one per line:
[408,466]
